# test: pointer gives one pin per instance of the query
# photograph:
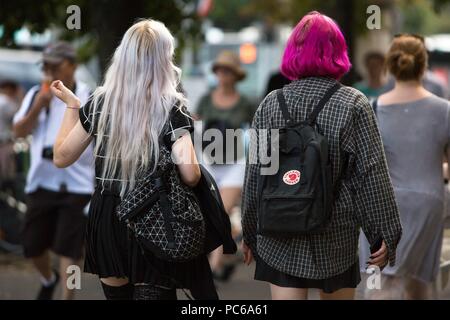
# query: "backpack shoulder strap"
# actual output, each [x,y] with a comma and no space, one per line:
[33,97]
[283,107]
[322,102]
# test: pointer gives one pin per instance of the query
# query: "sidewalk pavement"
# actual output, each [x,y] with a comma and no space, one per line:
[18,280]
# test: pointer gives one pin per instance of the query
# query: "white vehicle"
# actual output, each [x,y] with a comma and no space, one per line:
[23,66]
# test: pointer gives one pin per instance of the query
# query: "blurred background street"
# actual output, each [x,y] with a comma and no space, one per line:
[256,31]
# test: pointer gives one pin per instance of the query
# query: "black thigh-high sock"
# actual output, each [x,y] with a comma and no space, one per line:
[151,292]
[124,292]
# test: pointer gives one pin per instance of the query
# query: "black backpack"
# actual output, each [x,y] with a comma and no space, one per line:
[164,214]
[298,199]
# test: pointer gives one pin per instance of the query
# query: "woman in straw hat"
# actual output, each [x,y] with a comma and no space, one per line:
[225,108]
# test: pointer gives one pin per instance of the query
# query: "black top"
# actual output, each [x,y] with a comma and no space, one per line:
[276,81]
[178,121]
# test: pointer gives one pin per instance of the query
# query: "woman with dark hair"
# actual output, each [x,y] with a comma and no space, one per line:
[415,129]
[315,58]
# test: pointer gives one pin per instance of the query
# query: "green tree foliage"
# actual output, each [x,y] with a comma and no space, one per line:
[103,22]
[425,17]
[232,14]
[350,14]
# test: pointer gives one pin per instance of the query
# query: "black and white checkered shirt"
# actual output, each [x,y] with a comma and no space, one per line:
[365,199]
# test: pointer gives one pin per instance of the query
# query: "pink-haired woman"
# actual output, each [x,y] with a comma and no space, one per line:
[315,58]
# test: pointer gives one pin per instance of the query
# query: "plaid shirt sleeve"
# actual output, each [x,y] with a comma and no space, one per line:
[375,205]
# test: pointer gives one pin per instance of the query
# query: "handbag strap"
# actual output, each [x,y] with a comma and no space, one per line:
[166,210]
[161,194]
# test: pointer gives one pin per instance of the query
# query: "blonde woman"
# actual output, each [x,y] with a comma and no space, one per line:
[137,103]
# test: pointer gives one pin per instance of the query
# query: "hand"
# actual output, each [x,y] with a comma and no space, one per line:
[43,98]
[62,92]
[379,258]
[248,255]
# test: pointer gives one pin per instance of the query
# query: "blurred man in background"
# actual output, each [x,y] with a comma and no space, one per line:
[378,82]
[55,197]
[375,82]
[10,98]
[430,82]
[9,102]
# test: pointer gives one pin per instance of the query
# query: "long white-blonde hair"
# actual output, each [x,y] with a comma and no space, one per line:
[139,89]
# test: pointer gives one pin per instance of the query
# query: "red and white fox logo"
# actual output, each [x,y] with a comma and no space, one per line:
[291,177]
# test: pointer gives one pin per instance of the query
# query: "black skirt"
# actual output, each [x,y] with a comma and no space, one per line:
[112,251]
[348,279]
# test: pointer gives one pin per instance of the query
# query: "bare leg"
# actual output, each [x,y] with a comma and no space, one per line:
[341,294]
[392,288]
[215,259]
[43,265]
[64,263]
[114,282]
[281,293]
[230,197]
[416,289]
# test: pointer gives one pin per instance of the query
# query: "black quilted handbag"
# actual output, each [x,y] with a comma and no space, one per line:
[164,214]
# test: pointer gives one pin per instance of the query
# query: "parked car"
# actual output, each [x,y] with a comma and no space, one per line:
[23,66]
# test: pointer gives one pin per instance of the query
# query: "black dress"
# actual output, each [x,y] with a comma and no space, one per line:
[111,249]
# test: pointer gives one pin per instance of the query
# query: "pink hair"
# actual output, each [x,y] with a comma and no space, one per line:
[316,47]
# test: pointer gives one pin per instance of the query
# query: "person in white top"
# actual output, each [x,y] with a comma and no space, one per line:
[55,197]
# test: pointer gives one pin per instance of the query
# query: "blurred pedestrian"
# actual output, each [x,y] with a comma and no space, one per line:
[430,82]
[56,197]
[363,193]
[415,129]
[133,126]
[276,81]
[434,84]
[226,108]
[9,103]
[375,82]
